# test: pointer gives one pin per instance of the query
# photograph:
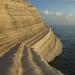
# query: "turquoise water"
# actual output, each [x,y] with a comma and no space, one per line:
[66,61]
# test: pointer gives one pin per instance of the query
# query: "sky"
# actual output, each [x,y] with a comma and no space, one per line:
[56,12]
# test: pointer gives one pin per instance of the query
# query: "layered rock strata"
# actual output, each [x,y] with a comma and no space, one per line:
[26,42]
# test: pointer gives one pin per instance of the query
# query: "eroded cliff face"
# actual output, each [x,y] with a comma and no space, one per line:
[26,42]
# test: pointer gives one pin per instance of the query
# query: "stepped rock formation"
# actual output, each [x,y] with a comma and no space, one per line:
[26,42]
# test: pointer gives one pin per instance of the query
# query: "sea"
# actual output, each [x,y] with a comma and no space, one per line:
[65,62]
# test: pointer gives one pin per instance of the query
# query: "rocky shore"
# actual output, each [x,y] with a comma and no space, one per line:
[27,44]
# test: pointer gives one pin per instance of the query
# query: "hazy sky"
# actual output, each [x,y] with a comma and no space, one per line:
[57,11]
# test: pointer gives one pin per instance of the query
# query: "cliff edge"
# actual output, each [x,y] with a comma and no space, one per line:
[27,44]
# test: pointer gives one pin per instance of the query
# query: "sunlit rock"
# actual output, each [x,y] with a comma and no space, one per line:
[27,44]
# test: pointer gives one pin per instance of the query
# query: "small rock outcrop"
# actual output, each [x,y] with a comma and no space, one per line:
[26,42]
